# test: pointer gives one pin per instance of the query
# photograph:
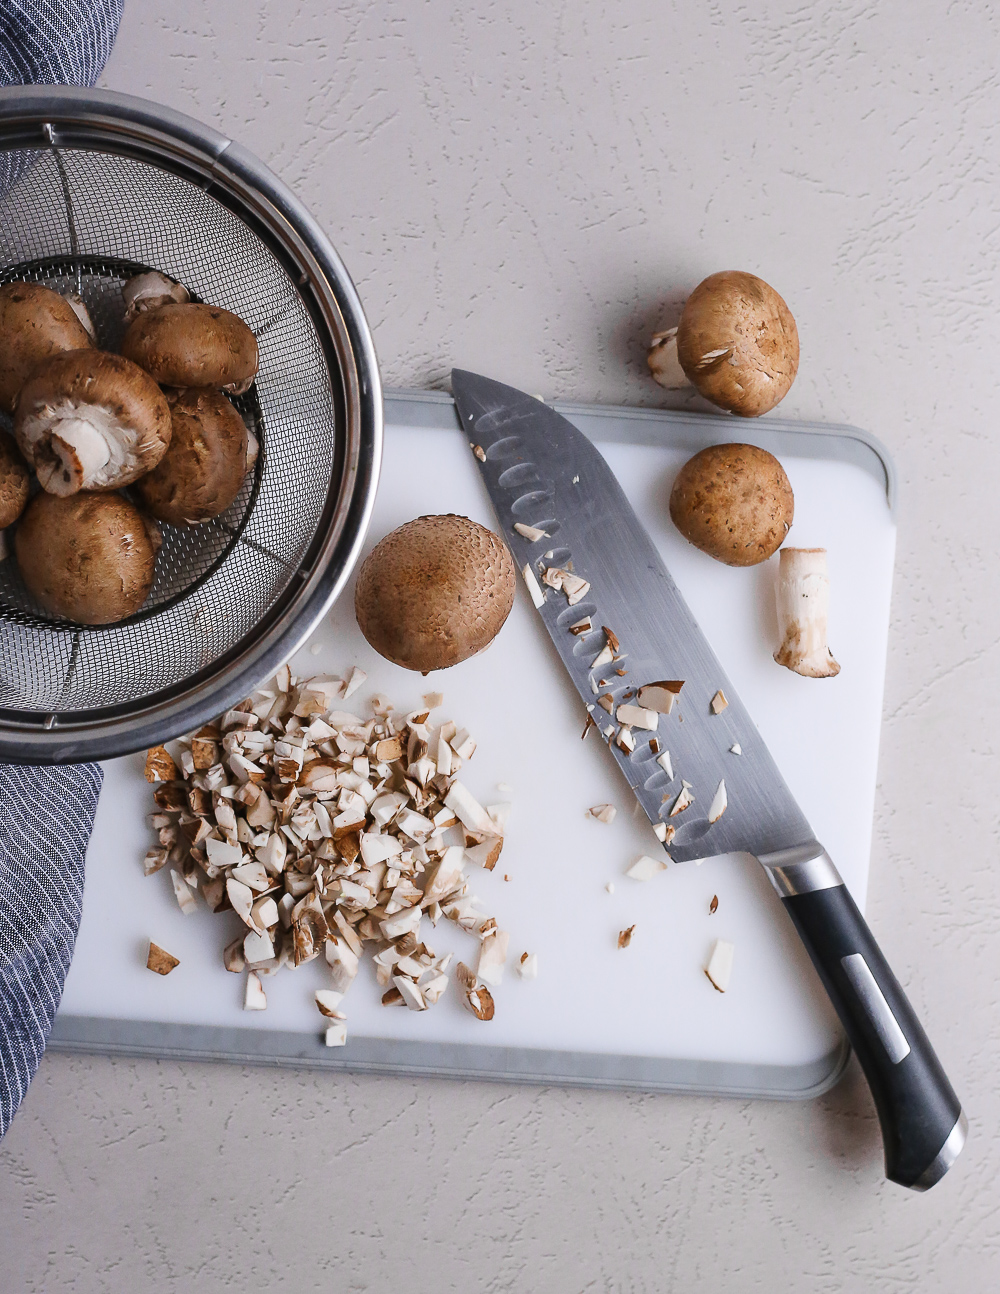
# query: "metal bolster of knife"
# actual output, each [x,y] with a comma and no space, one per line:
[800,870]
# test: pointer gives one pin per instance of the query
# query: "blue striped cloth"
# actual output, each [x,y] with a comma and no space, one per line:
[46,814]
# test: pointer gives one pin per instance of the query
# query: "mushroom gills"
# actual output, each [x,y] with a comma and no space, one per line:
[80,447]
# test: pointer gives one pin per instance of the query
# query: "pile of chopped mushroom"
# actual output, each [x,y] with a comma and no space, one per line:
[326,832]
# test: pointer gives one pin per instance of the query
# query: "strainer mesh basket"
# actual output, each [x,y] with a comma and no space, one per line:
[85,221]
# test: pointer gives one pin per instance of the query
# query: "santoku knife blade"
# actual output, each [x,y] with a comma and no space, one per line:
[544,475]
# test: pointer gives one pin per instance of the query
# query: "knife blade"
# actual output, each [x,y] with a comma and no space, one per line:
[619,623]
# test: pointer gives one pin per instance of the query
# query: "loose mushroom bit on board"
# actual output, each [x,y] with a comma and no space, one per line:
[87,558]
[330,833]
[204,468]
[734,502]
[188,344]
[737,343]
[87,420]
[435,592]
[14,482]
[35,324]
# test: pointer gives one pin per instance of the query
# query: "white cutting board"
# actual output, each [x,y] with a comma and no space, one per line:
[652,999]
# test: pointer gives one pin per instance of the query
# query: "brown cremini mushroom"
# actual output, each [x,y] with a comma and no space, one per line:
[202,472]
[14,481]
[150,291]
[188,344]
[87,558]
[734,502]
[87,420]
[435,592]
[35,324]
[736,343]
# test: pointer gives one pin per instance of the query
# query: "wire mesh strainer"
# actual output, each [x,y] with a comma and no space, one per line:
[100,187]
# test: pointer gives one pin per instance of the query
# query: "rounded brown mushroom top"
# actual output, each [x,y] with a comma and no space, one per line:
[90,420]
[14,482]
[734,502]
[202,472]
[35,323]
[738,344]
[87,558]
[189,344]
[435,592]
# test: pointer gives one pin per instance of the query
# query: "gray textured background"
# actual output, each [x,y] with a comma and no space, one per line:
[528,188]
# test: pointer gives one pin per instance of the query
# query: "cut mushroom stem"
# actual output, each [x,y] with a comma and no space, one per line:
[803,598]
[663,362]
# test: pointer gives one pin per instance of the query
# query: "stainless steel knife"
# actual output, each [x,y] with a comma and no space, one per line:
[544,475]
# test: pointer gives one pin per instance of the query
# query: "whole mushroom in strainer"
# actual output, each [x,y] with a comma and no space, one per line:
[89,558]
[189,344]
[35,324]
[736,343]
[87,420]
[150,291]
[202,472]
[14,480]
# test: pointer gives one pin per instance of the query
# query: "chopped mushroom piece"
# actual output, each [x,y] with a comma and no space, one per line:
[537,596]
[159,765]
[183,893]
[610,887]
[625,937]
[527,966]
[583,626]
[660,696]
[603,812]
[254,998]
[663,760]
[531,533]
[159,960]
[719,702]
[719,803]
[713,907]
[645,868]
[625,740]
[736,748]
[336,1034]
[720,964]
[683,801]
[479,452]
[638,717]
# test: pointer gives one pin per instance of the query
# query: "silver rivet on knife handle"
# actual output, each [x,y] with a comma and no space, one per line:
[800,870]
[876,1007]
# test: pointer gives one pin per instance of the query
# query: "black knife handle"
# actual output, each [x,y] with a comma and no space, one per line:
[923,1127]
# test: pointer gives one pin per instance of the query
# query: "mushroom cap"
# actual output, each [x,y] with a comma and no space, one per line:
[738,344]
[90,420]
[35,323]
[734,502]
[435,592]
[150,290]
[14,482]
[202,472]
[87,557]
[188,344]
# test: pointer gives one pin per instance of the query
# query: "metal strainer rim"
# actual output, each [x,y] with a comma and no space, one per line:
[36,117]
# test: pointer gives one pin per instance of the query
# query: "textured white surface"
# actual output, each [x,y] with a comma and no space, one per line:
[528,189]
[526,716]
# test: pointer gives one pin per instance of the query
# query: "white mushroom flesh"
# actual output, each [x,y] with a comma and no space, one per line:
[79,447]
[663,362]
[147,291]
[803,598]
[720,964]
